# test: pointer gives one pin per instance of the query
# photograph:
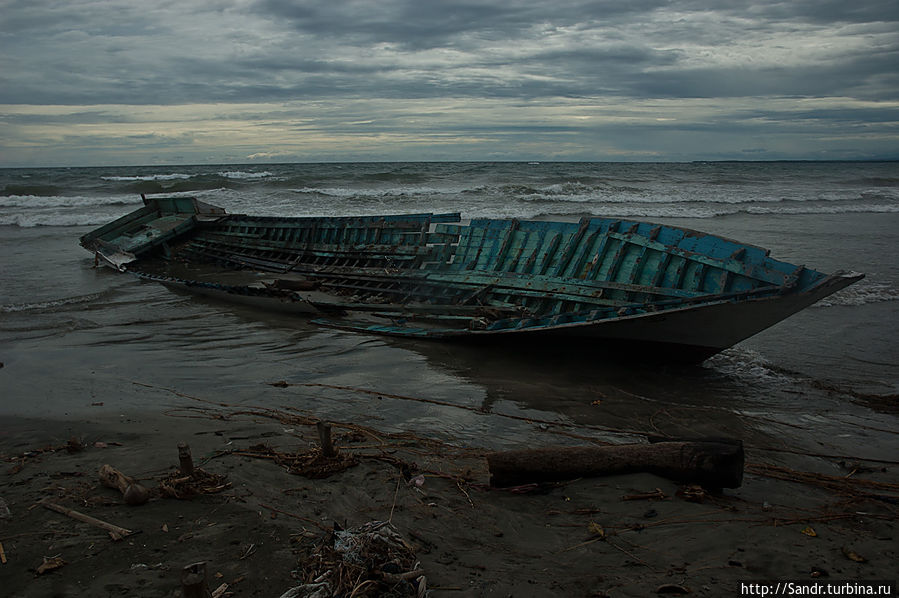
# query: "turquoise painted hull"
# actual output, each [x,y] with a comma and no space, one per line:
[671,290]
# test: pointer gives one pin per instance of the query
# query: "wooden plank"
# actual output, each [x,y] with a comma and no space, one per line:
[734,266]
[508,235]
[570,248]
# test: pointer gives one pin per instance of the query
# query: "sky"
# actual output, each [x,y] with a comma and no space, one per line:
[119,82]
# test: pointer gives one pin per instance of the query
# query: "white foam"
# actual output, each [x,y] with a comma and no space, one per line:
[861,293]
[50,304]
[746,364]
[240,174]
[147,177]
[66,201]
[31,220]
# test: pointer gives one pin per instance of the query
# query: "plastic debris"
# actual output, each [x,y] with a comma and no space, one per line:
[370,560]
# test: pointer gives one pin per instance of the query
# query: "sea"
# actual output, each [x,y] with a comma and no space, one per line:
[79,342]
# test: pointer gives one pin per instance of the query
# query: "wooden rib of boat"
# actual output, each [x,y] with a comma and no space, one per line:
[668,290]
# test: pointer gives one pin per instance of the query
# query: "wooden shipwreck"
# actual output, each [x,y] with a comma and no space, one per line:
[662,290]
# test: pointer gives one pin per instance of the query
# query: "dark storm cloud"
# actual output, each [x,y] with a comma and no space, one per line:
[276,49]
[570,62]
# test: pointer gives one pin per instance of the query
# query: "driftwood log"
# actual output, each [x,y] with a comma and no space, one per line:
[116,532]
[133,493]
[713,464]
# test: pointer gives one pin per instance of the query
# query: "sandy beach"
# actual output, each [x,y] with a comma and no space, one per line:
[126,370]
[627,535]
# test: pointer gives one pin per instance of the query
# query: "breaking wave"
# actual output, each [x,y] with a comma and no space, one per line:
[863,292]
[147,177]
[51,304]
[748,365]
[63,201]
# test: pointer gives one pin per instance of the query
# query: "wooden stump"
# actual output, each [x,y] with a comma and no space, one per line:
[193,581]
[713,464]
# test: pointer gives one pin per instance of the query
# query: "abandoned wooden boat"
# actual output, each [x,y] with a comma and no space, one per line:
[668,290]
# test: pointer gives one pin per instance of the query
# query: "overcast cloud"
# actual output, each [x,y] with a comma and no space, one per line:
[120,82]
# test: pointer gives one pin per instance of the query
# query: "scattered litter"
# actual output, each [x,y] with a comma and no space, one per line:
[309,590]
[853,556]
[809,531]
[693,493]
[656,494]
[51,563]
[370,560]
[312,464]
[191,481]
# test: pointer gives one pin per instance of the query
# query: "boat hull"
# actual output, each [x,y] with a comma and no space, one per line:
[659,289]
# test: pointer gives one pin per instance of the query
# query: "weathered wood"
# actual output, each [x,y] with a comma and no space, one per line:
[711,464]
[115,531]
[186,461]
[193,581]
[324,435]
[133,493]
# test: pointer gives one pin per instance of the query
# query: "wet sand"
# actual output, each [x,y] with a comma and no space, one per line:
[579,538]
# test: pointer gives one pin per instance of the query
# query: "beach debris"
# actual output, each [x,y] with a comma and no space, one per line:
[372,559]
[50,563]
[713,464]
[115,532]
[596,529]
[324,436]
[692,493]
[2,555]
[185,459]
[189,480]
[321,589]
[193,581]
[74,445]
[312,464]
[220,591]
[133,493]
[809,531]
[656,494]
[853,487]
[853,556]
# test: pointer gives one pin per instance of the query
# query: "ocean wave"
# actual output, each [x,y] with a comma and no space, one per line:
[861,293]
[55,219]
[147,177]
[62,201]
[29,190]
[240,174]
[747,365]
[50,304]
